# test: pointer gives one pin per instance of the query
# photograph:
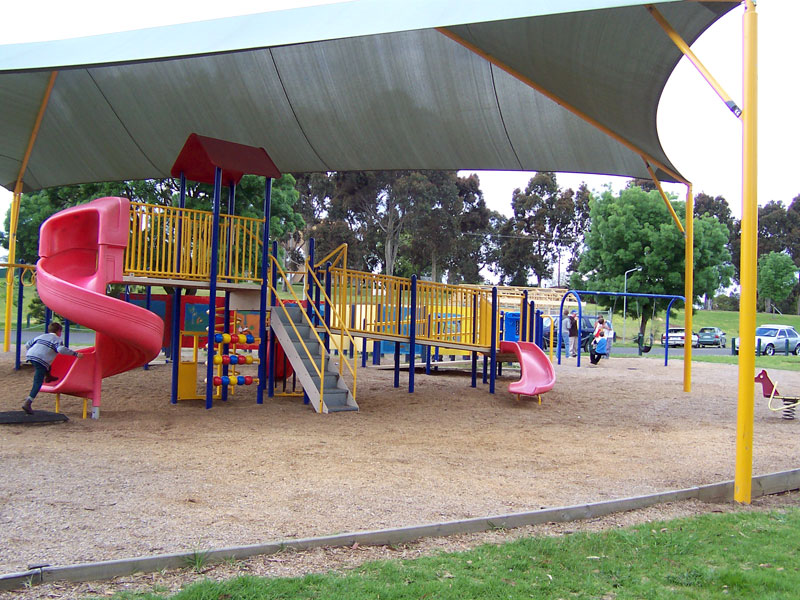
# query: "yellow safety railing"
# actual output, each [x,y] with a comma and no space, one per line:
[320,370]
[377,305]
[153,248]
[336,256]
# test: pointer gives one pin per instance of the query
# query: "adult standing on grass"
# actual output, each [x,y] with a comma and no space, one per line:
[41,351]
[573,333]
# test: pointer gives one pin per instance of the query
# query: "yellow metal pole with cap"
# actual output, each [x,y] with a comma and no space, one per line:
[688,290]
[12,229]
[748,272]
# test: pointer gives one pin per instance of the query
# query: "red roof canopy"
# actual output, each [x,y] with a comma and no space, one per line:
[200,156]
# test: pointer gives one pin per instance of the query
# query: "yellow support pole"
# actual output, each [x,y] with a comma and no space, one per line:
[688,291]
[687,52]
[663,195]
[12,233]
[748,272]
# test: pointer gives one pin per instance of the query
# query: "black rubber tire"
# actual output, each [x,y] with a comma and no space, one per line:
[769,350]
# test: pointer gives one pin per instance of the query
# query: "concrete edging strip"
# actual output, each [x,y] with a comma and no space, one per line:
[772,483]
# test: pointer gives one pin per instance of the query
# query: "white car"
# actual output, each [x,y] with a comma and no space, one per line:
[774,338]
[676,337]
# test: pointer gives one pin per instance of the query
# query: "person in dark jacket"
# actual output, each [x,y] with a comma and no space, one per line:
[573,333]
[41,351]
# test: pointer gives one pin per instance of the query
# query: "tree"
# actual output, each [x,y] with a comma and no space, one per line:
[547,222]
[777,276]
[635,229]
[471,251]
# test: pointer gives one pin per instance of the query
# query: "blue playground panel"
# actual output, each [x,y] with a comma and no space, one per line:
[511,327]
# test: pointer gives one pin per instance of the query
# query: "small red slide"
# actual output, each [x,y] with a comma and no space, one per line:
[82,250]
[537,375]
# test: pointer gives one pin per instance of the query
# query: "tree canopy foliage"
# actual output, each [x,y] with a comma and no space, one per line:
[635,229]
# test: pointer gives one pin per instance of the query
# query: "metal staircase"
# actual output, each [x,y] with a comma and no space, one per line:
[311,361]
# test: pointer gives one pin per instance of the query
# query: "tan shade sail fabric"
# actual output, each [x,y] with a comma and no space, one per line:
[362,85]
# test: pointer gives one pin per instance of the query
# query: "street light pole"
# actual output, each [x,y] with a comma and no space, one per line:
[625,300]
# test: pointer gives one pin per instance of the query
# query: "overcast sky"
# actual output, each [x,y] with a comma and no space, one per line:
[698,133]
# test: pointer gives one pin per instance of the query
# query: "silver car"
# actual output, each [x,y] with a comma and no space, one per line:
[774,338]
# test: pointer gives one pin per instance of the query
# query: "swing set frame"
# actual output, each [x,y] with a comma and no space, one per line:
[577,294]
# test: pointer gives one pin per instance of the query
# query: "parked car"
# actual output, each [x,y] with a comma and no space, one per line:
[676,336]
[711,336]
[774,338]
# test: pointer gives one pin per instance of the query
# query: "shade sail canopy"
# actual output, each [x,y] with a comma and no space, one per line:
[363,85]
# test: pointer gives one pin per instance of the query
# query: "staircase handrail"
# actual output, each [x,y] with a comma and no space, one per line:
[343,329]
[321,369]
[338,254]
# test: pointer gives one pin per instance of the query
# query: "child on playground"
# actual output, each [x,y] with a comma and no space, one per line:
[41,351]
[599,347]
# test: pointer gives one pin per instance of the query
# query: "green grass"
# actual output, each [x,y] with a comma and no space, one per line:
[728,321]
[779,361]
[737,555]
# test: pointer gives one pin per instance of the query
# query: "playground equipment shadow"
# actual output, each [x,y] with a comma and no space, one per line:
[154,478]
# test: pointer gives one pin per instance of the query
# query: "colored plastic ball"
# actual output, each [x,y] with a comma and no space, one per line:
[217,359]
[248,359]
[226,338]
[248,380]
[234,359]
[250,339]
[226,380]
[218,337]
[226,360]
[233,381]
[241,380]
[217,381]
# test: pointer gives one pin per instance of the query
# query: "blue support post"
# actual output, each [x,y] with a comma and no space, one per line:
[328,307]
[428,351]
[523,324]
[493,347]
[20,300]
[539,328]
[175,350]
[531,330]
[376,346]
[226,328]
[48,316]
[66,332]
[262,309]
[128,294]
[349,325]
[212,289]
[397,364]
[147,301]
[274,299]
[309,281]
[412,334]
[474,382]
[364,352]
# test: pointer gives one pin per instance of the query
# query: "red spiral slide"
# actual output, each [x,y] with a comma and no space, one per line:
[82,250]
[537,374]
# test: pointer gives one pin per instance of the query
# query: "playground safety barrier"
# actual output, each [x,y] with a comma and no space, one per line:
[315,319]
[175,243]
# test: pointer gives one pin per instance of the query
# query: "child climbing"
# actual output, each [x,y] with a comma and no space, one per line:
[41,351]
